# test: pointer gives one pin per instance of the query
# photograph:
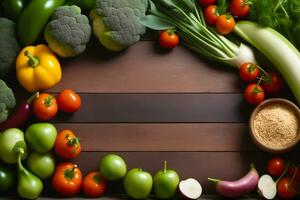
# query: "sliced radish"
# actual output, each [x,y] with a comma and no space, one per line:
[190,188]
[267,187]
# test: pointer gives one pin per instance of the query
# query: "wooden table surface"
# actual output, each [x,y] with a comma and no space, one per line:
[149,106]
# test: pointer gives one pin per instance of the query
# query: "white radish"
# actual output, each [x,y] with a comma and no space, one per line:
[190,188]
[267,187]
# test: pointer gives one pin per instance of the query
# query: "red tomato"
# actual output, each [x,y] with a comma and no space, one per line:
[254,94]
[94,185]
[45,107]
[207,2]
[68,101]
[239,8]
[168,39]
[67,145]
[249,72]
[225,24]
[276,167]
[211,14]
[284,189]
[274,84]
[294,173]
[67,179]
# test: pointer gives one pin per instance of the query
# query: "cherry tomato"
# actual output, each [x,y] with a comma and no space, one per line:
[239,8]
[67,179]
[94,185]
[68,101]
[67,145]
[211,14]
[249,72]
[45,106]
[284,189]
[254,94]
[168,39]
[294,173]
[276,167]
[274,83]
[225,24]
[207,2]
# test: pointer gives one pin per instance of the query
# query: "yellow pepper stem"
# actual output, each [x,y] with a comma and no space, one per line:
[32,60]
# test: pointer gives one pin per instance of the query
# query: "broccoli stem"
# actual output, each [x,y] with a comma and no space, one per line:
[32,60]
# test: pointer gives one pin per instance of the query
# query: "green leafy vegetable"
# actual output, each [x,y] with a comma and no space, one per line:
[7,101]
[68,32]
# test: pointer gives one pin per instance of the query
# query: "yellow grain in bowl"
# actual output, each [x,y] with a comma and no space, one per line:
[276,125]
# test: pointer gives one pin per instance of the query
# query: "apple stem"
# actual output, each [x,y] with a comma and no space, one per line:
[165,166]
[214,180]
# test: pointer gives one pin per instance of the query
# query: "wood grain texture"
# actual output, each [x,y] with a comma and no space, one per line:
[161,108]
[162,137]
[143,68]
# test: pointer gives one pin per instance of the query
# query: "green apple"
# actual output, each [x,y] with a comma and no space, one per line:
[43,165]
[41,137]
[138,183]
[113,167]
[166,183]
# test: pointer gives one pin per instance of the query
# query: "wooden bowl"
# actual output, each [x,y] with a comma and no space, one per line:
[264,147]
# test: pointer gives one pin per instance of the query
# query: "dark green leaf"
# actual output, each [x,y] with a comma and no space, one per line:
[155,23]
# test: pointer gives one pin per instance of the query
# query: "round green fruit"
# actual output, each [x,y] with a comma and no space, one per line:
[43,165]
[113,167]
[7,178]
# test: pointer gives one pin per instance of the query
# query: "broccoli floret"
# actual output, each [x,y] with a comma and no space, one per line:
[116,23]
[9,47]
[68,32]
[7,101]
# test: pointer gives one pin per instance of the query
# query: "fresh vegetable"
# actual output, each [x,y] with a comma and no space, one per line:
[29,185]
[94,185]
[284,56]
[9,140]
[240,8]
[20,115]
[276,167]
[267,187]
[273,83]
[121,28]
[254,94]
[67,145]
[86,5]
[38,68]
[168,39]
[45,107]
[7,101]
[7,178]
[68,32]
[113,167]
[138,183]
[68,101]
[34,18]
[43,165]
[165,183]
[225,24]
[190,188]
[9,46]
[285,191]
[12,9]
[294,173]
[67,179]
[211,15]
[238,188]
[186,17]
[41,137]
[207,2]
[249,72]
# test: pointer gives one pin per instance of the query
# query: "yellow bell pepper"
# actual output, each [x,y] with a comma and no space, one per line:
[38,68]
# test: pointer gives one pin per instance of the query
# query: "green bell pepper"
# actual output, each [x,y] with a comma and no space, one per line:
[12,9]
[85,5]
[34,18]
[7,178]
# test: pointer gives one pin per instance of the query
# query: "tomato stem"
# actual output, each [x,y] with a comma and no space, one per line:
[69,173]
[48,100]
[72,141]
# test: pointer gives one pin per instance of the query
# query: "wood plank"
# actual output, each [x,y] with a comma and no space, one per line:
[162,137]
[162,108]
[145,68]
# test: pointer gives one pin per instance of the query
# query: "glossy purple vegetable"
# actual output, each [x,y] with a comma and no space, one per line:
[238,188]
[20,115]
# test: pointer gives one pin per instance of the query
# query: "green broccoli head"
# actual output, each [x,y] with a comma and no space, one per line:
[7,101]
[68,32]
[116,23]
[9,47]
